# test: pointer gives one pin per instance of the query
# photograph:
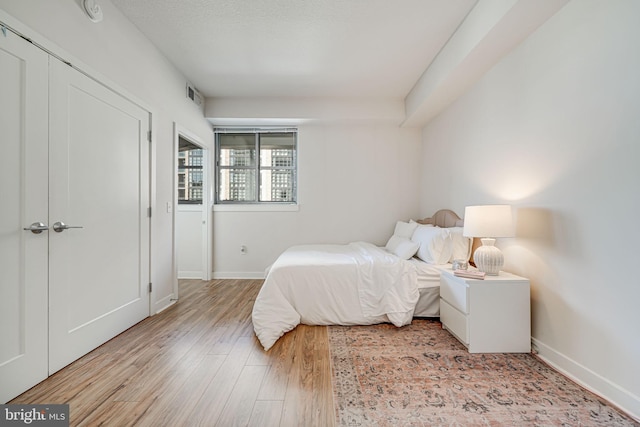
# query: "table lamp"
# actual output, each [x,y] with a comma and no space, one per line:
[488,222]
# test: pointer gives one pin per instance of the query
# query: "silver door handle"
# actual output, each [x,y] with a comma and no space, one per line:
[37,228]
[60,226]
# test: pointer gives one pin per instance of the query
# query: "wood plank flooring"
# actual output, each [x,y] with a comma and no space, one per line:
[198,363]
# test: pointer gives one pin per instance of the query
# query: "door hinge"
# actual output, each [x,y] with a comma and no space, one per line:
[149,135]
[150,287]
[149,211]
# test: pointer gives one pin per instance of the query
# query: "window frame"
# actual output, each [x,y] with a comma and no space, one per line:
[257,169]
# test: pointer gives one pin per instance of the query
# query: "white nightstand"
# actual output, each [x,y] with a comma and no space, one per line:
[488,316]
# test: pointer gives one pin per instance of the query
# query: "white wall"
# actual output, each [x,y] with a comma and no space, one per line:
[553,129]
[355,181]
[118,54]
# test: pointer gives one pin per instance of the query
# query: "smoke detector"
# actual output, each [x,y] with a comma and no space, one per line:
[93,10]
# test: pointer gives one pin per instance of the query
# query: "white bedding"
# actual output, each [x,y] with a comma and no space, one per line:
[428,275]
[354,284]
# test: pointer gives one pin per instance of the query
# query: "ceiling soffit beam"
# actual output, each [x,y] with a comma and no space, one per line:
[239,111]
[490,31]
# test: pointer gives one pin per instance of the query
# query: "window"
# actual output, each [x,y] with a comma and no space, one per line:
[189,173]
[256,166]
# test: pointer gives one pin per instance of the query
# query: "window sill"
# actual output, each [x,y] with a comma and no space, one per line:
[256,208]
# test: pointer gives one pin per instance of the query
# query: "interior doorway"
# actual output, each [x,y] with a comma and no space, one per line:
[192,213]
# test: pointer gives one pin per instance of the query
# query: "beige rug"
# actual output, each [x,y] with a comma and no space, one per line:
[419,375]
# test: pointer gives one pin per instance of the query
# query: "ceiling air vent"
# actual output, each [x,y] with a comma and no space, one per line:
[195,96]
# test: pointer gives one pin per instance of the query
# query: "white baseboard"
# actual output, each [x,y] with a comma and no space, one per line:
[238,275]
[595,383]
[189,274]
[163,304]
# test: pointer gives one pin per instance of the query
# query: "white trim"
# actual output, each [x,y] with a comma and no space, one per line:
[195,274]
[153,304]
[585,377]
[238,275]
[256,208]
[207,216]
[255,129]
[164,303]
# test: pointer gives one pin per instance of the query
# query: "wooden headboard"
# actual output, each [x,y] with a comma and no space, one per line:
[443,218]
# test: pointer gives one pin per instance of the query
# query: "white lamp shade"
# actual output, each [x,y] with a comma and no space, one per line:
[488,221]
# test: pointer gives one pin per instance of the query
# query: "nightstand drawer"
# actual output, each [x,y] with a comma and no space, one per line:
[454,321]
[455,292]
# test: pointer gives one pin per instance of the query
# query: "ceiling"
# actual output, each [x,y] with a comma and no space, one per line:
[299,48]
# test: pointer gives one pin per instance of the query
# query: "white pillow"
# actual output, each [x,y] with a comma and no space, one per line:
[461,245]
[405,229]
[435,243]
[402,247]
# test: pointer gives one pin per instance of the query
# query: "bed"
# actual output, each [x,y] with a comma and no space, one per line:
[360,283]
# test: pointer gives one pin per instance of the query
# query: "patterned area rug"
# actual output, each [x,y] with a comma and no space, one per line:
[419,375]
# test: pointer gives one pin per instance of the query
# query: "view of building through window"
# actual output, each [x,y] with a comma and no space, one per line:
[256,167]
[190,175]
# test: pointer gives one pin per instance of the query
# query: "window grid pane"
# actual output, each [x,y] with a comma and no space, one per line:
[237,185]
[237,150]
[276,185]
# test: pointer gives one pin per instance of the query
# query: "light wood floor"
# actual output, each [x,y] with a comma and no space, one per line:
[198,363]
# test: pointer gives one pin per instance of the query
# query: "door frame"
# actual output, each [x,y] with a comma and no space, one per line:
[207,240]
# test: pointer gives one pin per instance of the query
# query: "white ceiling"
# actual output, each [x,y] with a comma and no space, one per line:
[299,48]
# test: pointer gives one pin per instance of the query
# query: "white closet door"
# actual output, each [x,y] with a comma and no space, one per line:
[99,180]
[23,201]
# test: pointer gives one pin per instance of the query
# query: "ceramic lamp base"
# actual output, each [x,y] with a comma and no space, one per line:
[488,258]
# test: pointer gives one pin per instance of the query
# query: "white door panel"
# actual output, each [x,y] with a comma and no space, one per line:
[99,162]
[189,236]
[23,200]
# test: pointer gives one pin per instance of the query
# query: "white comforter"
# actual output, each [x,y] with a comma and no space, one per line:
[354,284]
